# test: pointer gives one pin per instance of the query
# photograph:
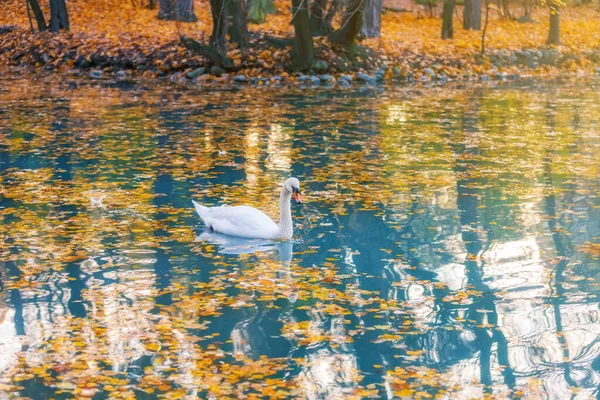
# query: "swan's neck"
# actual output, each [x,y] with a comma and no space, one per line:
[286,229]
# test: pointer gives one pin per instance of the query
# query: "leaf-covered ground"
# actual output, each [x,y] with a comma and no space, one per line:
[114,35]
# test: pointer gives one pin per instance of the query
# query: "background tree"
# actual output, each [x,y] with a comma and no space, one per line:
[554,31]
[303,51]
[318,18]
[321,16]
[238,22]
[527,8]
[177,10]
[487,19]
[37,12]
[472,15]
[447,14]
[504,6]
[229,18]
[219,18]
[166,9]
[372,18]
[185,11]
[345,36]
[59,17]
[259,9]
[430,6]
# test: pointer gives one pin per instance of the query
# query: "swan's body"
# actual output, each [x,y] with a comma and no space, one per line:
[248,222]
[242,221]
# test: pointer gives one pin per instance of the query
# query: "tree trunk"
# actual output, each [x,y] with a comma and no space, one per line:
[351,25]
[472,15]
[372,18]
[259,9]
[318,21]
[166,10]
[151,4]
[219,17]
[527,6]
[238,22]
[185,11]
[39,16]
[448,13]
[59,18]
[487,19]
[63,14]
[177,10]
[505,6]
[554,32]
[302,51]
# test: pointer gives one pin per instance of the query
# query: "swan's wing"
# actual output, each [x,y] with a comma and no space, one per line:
[240,221]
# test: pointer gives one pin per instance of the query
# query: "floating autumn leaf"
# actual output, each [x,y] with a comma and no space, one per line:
[378,293]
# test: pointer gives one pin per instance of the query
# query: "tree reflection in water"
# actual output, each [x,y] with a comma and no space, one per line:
[439,251]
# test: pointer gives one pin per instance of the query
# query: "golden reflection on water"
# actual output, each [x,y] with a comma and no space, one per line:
[467,209]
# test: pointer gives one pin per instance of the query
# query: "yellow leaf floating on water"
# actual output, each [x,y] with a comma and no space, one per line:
[152,346]
[404,393]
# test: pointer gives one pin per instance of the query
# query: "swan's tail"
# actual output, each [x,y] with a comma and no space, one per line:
[202,211]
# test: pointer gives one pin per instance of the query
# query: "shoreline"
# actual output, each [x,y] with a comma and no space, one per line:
[69,54]
[81,78]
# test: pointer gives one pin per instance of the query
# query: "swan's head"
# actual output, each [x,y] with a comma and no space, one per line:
[292,185]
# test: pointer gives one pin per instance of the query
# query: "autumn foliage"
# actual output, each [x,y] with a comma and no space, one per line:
[117,35]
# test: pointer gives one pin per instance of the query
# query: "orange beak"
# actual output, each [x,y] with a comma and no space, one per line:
[297,197]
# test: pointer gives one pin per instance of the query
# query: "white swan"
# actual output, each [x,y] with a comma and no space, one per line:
[248,222]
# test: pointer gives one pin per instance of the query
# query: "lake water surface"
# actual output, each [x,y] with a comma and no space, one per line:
[448,245]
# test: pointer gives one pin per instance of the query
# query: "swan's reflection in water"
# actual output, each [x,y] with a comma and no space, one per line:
[280,252]
[236,245]
[329,371]
[252,334]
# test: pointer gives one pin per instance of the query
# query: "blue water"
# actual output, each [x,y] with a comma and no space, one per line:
[447,245]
